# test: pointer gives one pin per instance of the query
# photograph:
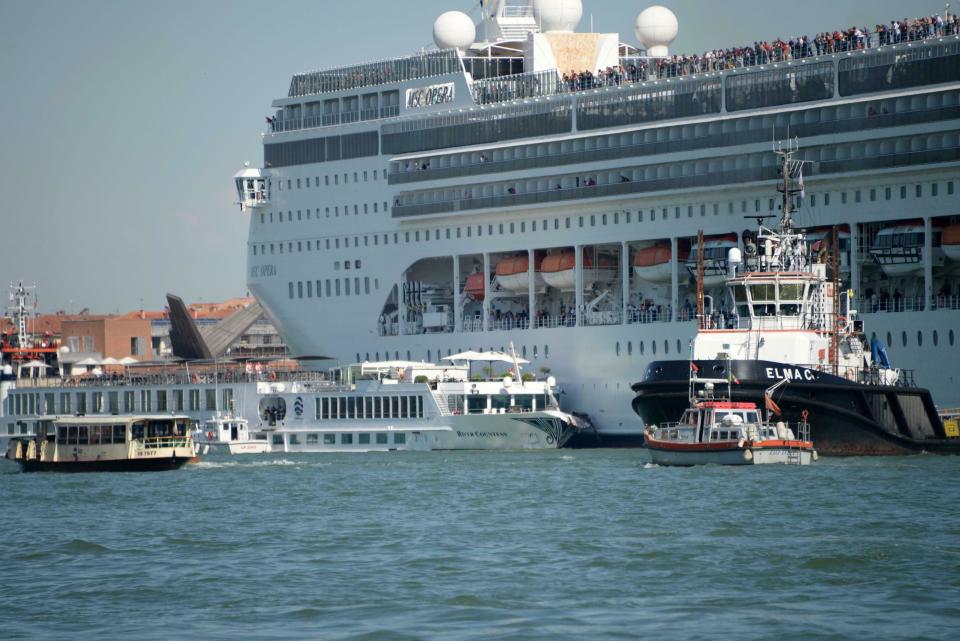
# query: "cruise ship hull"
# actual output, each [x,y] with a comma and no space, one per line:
[846,418]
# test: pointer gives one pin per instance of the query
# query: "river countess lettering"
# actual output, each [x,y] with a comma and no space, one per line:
[791,374]
[481,434]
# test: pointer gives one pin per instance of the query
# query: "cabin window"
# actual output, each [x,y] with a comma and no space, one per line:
[313,439]
[381,438]
[346,439]
[363,439]
[329,439]
[294,439]
[399,439]
[278,439]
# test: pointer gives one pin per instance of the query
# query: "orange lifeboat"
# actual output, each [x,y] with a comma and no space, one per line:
[950,242]
[559,270]
[715,250]
[474,286]
[512,273]
[653,264]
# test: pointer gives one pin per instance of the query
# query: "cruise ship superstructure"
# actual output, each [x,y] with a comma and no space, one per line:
[467,197]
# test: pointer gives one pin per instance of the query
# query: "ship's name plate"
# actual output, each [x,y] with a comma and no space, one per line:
[429,96]
[790,373]
[263,271]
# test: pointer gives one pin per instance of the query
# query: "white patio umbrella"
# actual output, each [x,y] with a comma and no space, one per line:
[109,360]
[87,362]
[483,357]
[127,360]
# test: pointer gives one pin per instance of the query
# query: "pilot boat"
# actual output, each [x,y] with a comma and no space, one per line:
[725,432]
[229,435]
[105,443]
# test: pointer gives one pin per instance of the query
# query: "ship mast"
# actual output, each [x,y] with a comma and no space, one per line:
[19,314]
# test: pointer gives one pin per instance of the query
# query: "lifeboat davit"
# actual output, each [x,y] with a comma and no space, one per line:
[513,273]
[653,264]
[898,249]
[715,251]
[950,242]
[474,286]
[559,270]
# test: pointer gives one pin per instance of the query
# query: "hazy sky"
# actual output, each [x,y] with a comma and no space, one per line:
[124,121]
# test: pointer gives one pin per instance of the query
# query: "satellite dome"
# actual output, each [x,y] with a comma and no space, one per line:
[558,15]
[454,30]
[656,27]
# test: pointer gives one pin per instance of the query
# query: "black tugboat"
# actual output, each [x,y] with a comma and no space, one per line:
[788,321]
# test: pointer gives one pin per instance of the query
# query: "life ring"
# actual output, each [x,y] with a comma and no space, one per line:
[841,323]
[273,376]
[549,440]
[804,415]
[210,436]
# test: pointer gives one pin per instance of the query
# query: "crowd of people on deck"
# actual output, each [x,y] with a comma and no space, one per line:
[766,52]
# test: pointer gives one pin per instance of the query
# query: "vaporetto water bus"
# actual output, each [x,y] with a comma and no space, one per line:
[129,443]
[469,196]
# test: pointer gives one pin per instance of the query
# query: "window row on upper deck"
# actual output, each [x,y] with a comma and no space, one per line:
[316,150]
[477,127]
[900,69]
[423,65]
[732,170]
[336,111]
[805,123]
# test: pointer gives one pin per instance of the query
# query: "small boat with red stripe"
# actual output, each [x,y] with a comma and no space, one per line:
[723,432]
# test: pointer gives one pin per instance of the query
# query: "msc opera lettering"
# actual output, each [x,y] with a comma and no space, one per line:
[790,373]
[429,96]
[263,271]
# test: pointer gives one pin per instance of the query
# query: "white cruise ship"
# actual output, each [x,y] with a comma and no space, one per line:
[474,195]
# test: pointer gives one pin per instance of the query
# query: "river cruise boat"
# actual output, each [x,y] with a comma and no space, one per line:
[397,405]
[105,444]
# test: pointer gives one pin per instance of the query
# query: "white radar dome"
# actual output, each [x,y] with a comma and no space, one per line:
[558,15]
[454,30]
[656,28]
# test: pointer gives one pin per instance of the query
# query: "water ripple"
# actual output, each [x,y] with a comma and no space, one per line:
[482,546]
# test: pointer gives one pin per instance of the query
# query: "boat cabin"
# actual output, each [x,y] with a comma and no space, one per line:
[101,443]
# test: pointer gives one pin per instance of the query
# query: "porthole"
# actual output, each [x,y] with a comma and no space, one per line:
[546,351]
[919,338]
[618,348]
[903,338]
[889,340]
[936,338]
[653,347]
[535,351]
[641,348]
[666,346]
[950,337]
[523,351]
[429,355]
[629,348]
[679,347]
